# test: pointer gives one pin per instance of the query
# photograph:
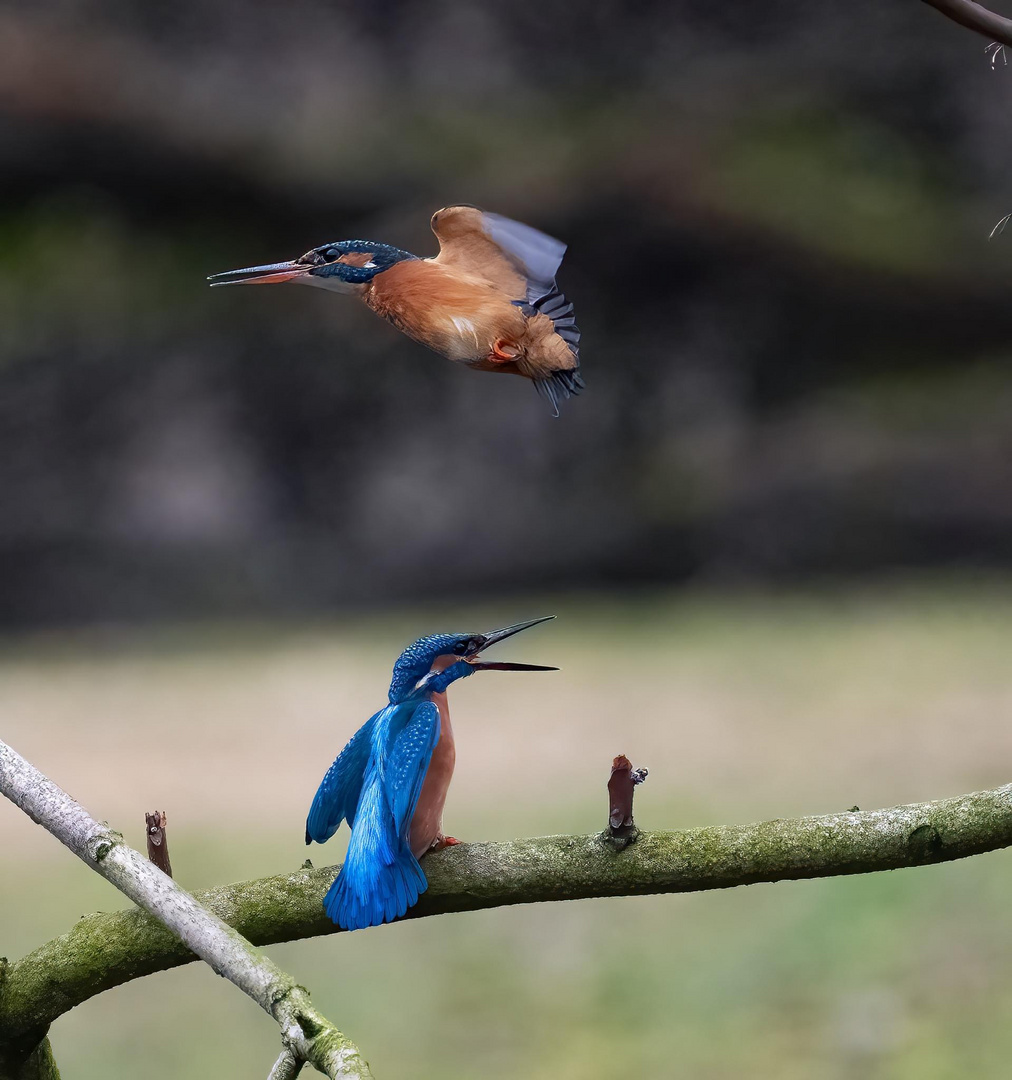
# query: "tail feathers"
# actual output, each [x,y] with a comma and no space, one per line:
[359,899]
[380,878]
[561,312]
[563,384]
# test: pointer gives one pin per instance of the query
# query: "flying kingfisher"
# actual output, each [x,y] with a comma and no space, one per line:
[391,779]
[488,299]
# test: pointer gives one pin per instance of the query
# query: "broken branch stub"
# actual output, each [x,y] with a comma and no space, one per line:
[158,843]
[621,786]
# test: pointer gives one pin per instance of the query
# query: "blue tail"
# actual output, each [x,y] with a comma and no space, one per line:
[380,878]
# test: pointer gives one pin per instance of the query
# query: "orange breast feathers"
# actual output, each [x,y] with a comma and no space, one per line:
[427,823]
[455,314]
[465,318]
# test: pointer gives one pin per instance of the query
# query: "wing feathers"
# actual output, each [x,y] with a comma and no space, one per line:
[538,254]
[512,256]
[522,263]
[406,764]
[337,796]
[381,878]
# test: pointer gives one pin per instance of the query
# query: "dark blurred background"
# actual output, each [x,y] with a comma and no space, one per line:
[795,328]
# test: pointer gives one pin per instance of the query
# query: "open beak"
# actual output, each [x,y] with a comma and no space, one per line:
[262,275]
[495,636]
[487,665]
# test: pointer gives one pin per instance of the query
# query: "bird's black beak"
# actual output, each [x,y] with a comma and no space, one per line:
[487,665]
[268,274]
[494,637]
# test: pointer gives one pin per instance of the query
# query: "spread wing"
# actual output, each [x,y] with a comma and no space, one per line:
[337,796]
[510,255]
[406,764]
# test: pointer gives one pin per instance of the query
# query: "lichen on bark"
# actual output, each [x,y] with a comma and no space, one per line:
[105,950]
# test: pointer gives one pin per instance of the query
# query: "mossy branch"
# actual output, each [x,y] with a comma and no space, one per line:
[105,950]
[306,1035]
[37,1064]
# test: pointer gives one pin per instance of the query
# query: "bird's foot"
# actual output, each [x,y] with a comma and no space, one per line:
[503,351]
[443,841]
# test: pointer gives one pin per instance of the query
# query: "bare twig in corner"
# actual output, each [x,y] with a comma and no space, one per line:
[306,1035]
[158,843]
[621,785]
[976,17]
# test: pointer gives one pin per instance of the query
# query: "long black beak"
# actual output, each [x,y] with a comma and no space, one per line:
[495,636]
[491,665]
[262,275]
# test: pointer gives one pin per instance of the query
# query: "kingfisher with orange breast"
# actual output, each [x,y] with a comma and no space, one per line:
[390,781]
[488,299]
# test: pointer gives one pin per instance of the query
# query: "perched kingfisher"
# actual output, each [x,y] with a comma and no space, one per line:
[390,781]
[488,299]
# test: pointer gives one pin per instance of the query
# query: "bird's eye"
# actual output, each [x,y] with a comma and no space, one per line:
[332,253]
[461,647]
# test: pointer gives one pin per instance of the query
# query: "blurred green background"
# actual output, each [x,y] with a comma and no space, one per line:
[776,527]
[743,707]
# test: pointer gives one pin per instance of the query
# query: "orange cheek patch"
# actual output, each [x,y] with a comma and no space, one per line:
[356,258]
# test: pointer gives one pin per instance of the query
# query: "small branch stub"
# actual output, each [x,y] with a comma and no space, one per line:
[621,785]
[158,843]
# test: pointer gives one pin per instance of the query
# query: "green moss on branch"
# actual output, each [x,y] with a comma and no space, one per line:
[105,950]
[28,1059]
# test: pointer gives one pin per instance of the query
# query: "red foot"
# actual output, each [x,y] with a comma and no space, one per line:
[443,841]
[503,351]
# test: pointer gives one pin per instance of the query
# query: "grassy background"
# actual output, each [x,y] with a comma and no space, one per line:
[743,707]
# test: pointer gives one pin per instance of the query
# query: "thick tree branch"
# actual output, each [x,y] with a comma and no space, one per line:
[39,1064]
[105,950]
[975,17]
[305,1033]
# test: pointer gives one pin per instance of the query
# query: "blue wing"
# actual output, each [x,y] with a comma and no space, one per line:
[338,795]
[538,254]
[406,764]
[381,878]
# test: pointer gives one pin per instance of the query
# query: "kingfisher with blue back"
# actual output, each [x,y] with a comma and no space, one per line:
[390,781]
[488,299]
